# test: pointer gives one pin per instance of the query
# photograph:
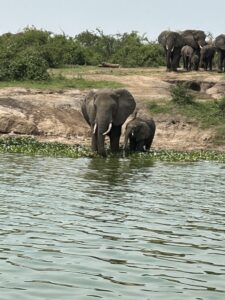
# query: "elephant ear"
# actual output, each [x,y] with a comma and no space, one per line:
[162,37]
[220,42]
[87,107]
[125,107]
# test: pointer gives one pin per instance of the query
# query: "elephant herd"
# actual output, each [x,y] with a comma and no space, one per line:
[193,48]
[105,111]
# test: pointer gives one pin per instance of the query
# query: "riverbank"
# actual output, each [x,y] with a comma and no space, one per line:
[53,115]
[30,146]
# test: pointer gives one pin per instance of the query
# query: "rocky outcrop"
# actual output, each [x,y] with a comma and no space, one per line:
[46,114]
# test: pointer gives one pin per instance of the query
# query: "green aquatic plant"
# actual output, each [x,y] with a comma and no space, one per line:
[30,146]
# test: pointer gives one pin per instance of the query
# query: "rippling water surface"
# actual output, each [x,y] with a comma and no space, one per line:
[111,229]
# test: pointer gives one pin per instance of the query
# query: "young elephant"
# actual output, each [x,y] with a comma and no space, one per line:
[139,134]
[187,53]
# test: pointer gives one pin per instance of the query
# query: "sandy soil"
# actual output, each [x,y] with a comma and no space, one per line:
[56,116]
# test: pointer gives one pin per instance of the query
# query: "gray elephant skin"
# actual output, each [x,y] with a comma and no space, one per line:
[194,39]
[220,48]
[206,57]
[139,134]
[187,53]
[172,43]
[105,111]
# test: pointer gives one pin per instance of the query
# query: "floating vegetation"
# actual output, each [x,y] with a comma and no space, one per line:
[30,146]
[182,156]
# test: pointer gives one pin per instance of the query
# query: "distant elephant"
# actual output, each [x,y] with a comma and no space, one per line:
[206,57]
[194,38]
[220,48]
[172,43]
[105,111]
[187,53]
[195,62]
[139,134]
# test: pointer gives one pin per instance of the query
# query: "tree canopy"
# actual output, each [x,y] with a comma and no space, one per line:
[28,54]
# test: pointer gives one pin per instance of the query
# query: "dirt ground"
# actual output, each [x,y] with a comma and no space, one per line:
[56,116]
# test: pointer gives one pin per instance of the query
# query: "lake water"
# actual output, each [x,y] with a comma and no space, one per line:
[111,229]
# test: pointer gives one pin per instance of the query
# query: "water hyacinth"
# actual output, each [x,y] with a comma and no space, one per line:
[30,146]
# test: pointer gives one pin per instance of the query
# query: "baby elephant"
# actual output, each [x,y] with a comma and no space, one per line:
[139,134]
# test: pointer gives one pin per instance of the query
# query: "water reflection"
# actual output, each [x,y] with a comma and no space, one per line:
[115,170]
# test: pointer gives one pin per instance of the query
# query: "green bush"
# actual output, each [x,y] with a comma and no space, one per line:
[181,95]
[28,54]
[27,65]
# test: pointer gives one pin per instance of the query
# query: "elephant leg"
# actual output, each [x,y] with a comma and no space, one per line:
[168,60]
[175,59]
[210,65]
[132,144]
[149,143]
[140,146]
[220,61]
[114,136]
[223,61]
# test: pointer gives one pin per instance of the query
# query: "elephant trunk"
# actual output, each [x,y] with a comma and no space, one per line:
[101,129]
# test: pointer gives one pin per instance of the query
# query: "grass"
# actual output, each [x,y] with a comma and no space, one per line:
[207,114]
[57,82]
[30,146]
[71,71]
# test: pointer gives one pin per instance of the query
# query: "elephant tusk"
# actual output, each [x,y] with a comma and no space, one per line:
[95,127]
[167,48]
[108,130]
[172,49]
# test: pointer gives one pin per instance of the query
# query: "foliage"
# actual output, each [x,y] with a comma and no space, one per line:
[206,113]
[29,53]
[181,94]
[30,146]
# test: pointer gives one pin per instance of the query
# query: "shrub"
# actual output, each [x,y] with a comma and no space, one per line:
[181,95]
[28,65]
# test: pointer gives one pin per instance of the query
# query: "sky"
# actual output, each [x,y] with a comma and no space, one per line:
[147,17]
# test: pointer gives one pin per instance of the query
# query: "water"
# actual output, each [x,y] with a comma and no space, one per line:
[111,229]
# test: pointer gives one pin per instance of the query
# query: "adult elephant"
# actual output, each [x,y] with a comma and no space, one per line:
[105,111]
[220,48]
[195,39]
[139,134]
[206,57]
[172,43]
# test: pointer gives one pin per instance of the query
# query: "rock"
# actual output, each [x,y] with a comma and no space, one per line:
[217,91]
